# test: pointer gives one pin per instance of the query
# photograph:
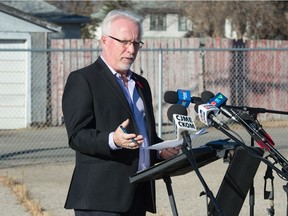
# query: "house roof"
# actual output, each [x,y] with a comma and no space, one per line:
[34,7]
[48,12]
[68,19]
[24,16]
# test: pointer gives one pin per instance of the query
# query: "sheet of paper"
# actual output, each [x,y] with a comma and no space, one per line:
[166,144]
[199,133]
[174,143]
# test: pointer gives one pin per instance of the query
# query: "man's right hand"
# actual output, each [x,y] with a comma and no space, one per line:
[126,140]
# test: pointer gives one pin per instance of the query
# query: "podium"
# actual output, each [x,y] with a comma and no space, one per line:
[178,165]
[210,152]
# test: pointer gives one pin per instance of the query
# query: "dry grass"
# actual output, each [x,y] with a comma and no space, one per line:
[23,196]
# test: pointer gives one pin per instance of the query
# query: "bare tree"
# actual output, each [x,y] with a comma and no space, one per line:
[118,4]
[258,20]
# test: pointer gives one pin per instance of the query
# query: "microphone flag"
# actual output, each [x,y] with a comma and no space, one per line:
[184,97]
[183,123]
[204,110]
[218,100]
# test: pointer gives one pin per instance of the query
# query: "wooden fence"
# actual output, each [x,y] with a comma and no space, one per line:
[254,75]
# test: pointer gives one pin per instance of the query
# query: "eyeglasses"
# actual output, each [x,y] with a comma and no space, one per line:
[126,43]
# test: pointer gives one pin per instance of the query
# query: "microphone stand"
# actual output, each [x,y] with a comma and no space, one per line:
[249,149]
[253,112]
[252,189]
[256,110]
[274,153]
[191,158]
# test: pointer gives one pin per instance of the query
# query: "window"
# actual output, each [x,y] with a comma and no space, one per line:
[182,23]
[158,22]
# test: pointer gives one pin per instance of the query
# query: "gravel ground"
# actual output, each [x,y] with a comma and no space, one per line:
[48,184]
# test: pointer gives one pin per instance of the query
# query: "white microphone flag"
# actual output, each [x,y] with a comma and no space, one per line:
[183,123]
[204,110]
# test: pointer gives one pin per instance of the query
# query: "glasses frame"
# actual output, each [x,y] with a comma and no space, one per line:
[127,43]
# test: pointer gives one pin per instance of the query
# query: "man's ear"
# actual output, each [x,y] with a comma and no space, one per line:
[104,40]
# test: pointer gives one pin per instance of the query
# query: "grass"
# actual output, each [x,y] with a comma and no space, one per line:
[23,196]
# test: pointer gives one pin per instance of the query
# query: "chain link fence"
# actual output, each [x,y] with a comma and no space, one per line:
[32,82]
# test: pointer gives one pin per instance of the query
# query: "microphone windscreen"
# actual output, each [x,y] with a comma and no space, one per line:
[176,109]
[171,97]
[197,105]
[206,96]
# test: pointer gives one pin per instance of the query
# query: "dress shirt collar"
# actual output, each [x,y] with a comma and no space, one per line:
[118,75]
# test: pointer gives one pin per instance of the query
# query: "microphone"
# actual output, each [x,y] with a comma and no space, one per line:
[207,114]
[251,126]
[256,131]
[219,100]
[182,97]
[206,96]
[182,123]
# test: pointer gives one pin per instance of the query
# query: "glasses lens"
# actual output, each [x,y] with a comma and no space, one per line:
[136,45]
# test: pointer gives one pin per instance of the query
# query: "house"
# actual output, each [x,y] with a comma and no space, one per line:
[23,74]
[71,24]
[163,19]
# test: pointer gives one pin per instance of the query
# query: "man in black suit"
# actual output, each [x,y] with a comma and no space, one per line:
[97,100]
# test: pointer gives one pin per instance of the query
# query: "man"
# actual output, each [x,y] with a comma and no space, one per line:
[97,100]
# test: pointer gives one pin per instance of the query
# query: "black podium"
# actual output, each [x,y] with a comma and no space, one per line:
[178,165]
[237,182]
[204,155]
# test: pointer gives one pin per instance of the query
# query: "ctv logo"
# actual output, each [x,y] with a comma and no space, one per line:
[218,100]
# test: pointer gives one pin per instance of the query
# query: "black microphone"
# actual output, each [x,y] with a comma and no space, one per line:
[252,127]
[181,97]
[206,96]
[176,109]
[173,113]
[256,131]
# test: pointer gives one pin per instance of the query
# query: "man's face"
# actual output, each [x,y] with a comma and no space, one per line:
[120,56]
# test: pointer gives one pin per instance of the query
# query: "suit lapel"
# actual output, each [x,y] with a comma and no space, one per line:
[111,81]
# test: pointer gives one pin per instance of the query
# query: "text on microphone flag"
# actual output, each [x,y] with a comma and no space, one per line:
[182,122]
[184,97]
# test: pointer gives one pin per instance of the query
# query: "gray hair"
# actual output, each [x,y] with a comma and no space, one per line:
[115,14]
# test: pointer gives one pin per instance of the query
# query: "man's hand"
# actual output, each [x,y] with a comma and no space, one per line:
[169,152]
[124,140]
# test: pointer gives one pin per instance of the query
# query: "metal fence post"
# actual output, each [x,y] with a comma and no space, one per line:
[160,94]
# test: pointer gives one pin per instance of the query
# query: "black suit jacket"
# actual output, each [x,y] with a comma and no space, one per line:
[94,105]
